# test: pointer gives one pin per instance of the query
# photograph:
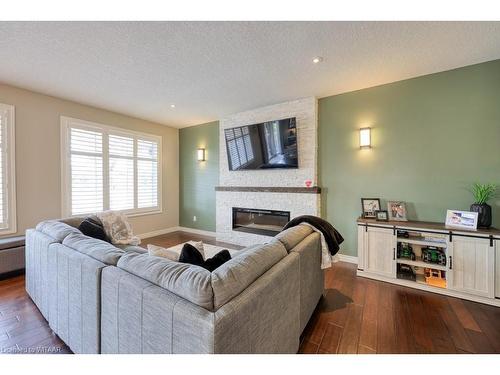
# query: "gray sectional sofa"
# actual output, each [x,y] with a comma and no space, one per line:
[100,298]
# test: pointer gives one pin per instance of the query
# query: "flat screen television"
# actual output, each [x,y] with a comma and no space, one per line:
[271,144]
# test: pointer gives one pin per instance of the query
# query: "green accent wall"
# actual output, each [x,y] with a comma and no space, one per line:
[198,179]
[432,137]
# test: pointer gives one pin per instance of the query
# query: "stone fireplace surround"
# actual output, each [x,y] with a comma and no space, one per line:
[274,189]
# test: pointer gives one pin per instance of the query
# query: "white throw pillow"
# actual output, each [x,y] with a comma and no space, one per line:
[159,251]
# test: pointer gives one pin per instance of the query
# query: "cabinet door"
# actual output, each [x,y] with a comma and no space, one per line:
[497,269]
[472,266]
[361,247]
[380,250]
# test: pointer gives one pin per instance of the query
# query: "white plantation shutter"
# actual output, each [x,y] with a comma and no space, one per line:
[3,219]
[121,172]
[7,170]
[86,171]
[109,168]
[147,173]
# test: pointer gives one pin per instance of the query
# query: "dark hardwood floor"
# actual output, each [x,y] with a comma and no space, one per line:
[358,315]
[355,315]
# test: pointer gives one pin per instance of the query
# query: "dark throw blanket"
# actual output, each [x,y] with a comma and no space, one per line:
[332,237]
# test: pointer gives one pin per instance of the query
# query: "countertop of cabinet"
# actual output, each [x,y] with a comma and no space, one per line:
[429,226]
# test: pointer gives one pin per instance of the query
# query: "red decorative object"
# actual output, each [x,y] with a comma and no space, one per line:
[308,183]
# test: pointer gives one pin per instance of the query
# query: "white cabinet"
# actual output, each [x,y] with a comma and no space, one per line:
[379,249]
[472,266]
[472,269]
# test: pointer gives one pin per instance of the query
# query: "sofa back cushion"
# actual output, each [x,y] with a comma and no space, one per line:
[291,237]
[234,276]
[73,221]
[56,229]
[185,280]
[97,249]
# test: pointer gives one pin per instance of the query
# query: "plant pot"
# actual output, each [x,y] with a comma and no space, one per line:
[484,217]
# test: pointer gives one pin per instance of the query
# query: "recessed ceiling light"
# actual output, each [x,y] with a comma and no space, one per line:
[172,105]
[317,59]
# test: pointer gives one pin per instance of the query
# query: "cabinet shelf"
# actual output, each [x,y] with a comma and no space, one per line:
[418,241]
[418,262]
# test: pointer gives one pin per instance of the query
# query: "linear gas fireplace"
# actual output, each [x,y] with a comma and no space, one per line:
[266,222]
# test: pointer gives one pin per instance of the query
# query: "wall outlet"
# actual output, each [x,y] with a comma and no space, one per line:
[194,218]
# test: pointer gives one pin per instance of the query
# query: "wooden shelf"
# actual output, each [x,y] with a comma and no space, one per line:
[420,263]
[271,189]
[428,226]
[419,241]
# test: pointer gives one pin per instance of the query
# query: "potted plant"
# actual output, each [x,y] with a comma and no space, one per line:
[483,193]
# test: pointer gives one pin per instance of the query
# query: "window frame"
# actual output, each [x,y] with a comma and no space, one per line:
[10,172]
[69,122]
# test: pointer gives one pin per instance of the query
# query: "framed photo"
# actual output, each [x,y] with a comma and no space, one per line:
[382,215]
[461,219]
[397,210]
[369,206]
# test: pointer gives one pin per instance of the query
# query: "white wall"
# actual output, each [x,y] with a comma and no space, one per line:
[305,111]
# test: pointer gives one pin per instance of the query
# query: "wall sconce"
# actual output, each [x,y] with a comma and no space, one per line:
[365,138]
[201,154]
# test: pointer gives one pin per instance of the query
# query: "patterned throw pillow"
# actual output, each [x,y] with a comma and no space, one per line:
[159,251]
[117,228]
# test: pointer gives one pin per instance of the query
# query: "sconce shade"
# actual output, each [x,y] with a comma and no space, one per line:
[365,140]
[201,154]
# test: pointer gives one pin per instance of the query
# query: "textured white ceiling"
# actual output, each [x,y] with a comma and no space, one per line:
[212,69]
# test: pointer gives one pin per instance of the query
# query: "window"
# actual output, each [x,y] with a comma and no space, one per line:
[106,168]
[7,171]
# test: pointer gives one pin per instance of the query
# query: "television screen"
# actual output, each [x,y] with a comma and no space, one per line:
[271,144]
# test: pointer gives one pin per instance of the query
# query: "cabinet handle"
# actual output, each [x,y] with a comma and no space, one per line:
[393,254]
[451,263]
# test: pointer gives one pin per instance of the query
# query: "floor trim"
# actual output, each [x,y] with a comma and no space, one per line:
[158,232]
[176,229]
[348,258]
[197,231]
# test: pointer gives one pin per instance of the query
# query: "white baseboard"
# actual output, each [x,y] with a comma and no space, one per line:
[158,232]
[348,258]
[197,231]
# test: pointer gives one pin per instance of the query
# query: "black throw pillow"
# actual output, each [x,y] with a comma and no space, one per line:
[91,226]
[192,255]
[217,260]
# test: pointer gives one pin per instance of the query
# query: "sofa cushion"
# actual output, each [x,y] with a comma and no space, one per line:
[56,229]
[73,221]
[293,236]
[185,280]
[231,278]
[97,249]
[132,249]
[158,251]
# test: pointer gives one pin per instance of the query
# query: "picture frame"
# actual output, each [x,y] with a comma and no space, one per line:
[369,206]
[461,219]
[396,210]
[382,215]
